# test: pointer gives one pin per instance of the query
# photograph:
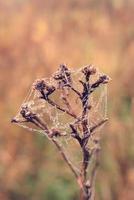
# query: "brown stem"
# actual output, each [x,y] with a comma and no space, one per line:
[74,90]
[86,192]
[63,76]
[92,129]
[66,101]
[30,117]
[61,109]
[65,157]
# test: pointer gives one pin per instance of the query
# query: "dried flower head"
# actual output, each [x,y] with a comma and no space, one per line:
[27,114]
[63,76]
[44,88]
[39,84]
[104,79]
[88,71]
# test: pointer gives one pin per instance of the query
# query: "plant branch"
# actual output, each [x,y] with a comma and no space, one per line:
[66,101]
[52,103]
[65,157]
[74,90]
[30,117]
[93,128]
[81,129]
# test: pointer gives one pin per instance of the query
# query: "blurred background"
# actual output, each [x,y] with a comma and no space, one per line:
[35,37]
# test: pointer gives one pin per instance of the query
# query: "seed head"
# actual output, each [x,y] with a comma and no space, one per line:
[90,70]
[63,76]
[44,88]
[104,79]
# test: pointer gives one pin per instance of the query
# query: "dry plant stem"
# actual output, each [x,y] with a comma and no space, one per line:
[65,157]
[92,129]
[61,109]
[74,90]
[87,90]
[59,147]
[81,124]
[86,131]
[86,188]
[39,123]
[66,101]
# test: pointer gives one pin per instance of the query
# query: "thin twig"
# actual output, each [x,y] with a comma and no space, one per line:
[65,157]
[39,123]
[61,109]
[75,134]
[76,91]
[66,101]
[92,129]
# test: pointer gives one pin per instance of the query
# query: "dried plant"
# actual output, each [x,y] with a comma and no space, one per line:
[65,109]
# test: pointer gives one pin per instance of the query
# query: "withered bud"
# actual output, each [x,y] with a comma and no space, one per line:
[54,133]
[64,68]
[26,113]
[63,75]
[104,79]
[89,70]
[62,72]
[44,88]
[39,84]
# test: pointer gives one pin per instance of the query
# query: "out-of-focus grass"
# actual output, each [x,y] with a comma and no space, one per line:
[35,37]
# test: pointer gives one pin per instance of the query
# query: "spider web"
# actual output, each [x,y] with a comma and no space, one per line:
[57,119]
